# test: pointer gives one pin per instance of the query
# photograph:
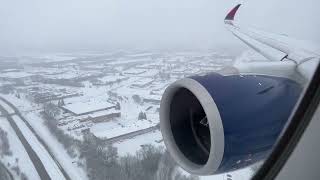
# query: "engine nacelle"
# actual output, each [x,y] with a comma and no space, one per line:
[214,124]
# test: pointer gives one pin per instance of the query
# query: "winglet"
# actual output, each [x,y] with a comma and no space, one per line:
[232,13]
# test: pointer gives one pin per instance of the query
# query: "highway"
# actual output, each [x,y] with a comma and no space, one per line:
[40,167]
[36,160]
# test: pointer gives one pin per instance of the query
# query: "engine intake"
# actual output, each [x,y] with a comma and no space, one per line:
[213,124]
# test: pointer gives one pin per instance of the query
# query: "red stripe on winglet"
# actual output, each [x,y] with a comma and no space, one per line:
[232,13]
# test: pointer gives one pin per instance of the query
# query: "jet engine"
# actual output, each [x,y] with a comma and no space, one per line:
[217,123]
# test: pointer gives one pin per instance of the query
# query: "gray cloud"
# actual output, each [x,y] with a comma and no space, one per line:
[66,25]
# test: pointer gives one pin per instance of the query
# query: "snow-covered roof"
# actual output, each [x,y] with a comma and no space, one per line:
[103,113]
[142,81]
[153,97]
[86,107]
[112,129]
[134,71]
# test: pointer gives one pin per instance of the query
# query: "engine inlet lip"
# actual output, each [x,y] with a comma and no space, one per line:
[215,126]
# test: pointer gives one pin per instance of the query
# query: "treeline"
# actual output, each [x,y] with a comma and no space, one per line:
[4,175]
[149,163]
[48,114]
[6,151]
[4,144]
[103,162]
[63,82]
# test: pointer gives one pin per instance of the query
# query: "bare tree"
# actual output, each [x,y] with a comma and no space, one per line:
[137,99]
[4,143]
[23,176]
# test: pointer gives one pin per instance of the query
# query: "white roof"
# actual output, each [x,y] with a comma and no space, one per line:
[153,96]
[85,107]
[103,113]
[142,81]
[134,71]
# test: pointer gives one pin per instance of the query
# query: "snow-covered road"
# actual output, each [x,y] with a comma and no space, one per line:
[50,165]
[44,163]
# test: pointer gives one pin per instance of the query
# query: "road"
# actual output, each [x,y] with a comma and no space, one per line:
[42,172]
[35,158]
[7,174]
[130,135]
[32,154]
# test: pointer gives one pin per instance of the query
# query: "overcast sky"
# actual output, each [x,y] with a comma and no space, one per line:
[75,25]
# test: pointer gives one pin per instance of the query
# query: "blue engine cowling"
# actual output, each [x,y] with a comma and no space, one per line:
[214,124]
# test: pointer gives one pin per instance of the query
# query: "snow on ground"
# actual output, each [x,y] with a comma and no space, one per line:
[140,54]
[49,164]
[7,107]
[129,92]
[110,78]
[4,82]
[65,73]
[16,147]
[121,61]
[94,94]
[140,71]
[131,146]
[30,113]
[56,148]
[15,74]
[22,104]
[57,57]
[149,73]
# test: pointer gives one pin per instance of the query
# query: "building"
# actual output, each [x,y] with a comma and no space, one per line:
[142,83]
[154,99]
[102,116]
[84,108]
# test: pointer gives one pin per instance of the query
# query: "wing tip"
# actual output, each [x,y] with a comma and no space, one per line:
[230,16]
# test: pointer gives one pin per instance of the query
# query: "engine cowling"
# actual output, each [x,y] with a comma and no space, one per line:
[213,124]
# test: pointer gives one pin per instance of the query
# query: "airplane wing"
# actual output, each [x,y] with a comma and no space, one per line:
[274,47]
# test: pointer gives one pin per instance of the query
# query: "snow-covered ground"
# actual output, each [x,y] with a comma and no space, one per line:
[18,152]
[7,107]
[49,164]
[90,82]
[56,148]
